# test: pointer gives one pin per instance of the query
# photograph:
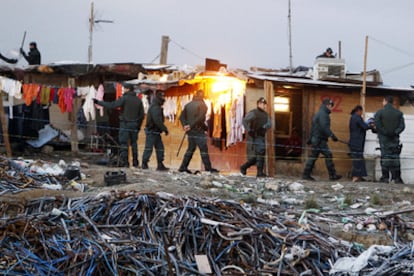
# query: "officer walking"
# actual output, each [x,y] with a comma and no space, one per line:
[320,133]
[193,119]
[389,124]
[153,129]
[132,114]
[256,123]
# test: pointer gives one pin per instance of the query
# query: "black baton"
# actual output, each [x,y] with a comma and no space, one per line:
[181,143]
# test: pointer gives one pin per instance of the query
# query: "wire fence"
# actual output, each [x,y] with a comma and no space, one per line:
[340,153]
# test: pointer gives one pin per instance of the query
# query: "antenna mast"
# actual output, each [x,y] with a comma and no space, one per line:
[290,39]
[92,22]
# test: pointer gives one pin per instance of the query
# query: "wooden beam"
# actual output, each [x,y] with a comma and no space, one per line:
[164,49]
[4,127]
[72,115]
[270,135]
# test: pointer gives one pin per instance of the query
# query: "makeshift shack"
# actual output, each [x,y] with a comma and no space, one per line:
[295,99]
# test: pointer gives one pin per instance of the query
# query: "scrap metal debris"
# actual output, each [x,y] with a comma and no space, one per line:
[128,232]
[123,233]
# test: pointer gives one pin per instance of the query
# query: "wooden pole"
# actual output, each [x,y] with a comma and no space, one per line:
[164,49]
[4,127]
[364,77]
[74,128]
[270,136]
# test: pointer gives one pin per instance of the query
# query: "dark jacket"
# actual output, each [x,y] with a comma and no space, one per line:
[155,117]
[131,106]
[8,60]
[33,57]
[194,114]
[389,121]
[321,125]
[357,132]
[257,121]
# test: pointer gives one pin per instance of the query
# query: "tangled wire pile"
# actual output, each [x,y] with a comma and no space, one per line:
[126,233]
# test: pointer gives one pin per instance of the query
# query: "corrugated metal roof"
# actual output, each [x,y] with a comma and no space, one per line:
[311,82]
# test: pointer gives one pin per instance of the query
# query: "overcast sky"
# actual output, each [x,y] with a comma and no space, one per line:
[240,33]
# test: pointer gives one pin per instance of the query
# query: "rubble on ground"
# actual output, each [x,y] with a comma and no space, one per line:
[242,225]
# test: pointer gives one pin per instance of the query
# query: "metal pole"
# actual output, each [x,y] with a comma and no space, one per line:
[91,22]
[364,77]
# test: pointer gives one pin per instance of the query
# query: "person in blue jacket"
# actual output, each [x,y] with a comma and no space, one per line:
[357,132]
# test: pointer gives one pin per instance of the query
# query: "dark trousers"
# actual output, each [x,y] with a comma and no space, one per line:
[321,148]
[128,132]
[196,138]
[390,157]
[256,151]
[153,140]
[358,162]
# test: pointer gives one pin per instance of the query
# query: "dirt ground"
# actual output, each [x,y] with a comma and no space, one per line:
[325,195]
[339,202]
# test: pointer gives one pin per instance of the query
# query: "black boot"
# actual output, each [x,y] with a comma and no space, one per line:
[144,165]
[182,169]
[397,177]
[260,165]
[243,169]
[306,176]
[335,177]
[161,167]
[385,178]
[245,166]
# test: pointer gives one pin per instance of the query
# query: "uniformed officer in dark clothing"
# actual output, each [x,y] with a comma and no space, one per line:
[256,123]
[320,133]
[153,129]
[33,57]
[389,124]
[193,119]
[132,114]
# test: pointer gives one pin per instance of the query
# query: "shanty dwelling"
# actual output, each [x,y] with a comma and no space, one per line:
[42,106]
[294,101]
[224,95]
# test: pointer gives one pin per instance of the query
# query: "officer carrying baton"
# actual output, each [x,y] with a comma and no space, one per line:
[181,143]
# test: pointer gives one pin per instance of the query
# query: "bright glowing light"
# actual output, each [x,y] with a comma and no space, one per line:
[164,78]
[282,104]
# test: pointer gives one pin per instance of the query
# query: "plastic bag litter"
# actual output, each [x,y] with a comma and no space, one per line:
[353,265]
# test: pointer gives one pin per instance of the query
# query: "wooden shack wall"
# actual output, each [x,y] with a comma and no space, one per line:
[345,100]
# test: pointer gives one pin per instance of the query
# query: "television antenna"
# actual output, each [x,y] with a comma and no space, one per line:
[92,22]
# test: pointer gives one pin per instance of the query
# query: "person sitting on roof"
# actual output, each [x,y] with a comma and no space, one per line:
[327,54]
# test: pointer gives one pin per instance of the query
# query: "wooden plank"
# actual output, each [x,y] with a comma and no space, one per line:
[4,127]
[203,264]
[270,136]
[74,128]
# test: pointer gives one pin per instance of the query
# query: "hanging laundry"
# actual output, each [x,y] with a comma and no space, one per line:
[88,107]
[30,92]
[100,96]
